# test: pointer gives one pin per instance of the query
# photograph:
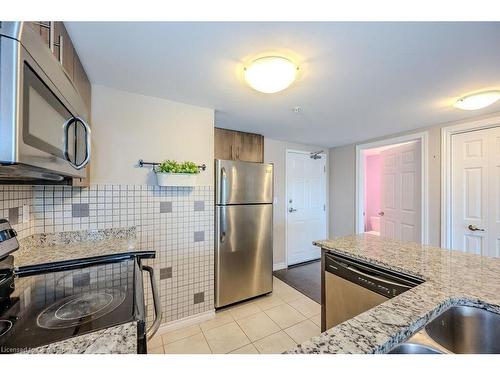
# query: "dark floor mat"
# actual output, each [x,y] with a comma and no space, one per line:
[306,278]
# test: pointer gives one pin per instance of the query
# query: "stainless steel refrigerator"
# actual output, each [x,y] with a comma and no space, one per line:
[243,230]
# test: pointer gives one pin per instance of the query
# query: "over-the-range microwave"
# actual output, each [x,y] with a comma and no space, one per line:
[44,136]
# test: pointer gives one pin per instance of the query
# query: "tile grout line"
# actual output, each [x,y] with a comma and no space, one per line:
[205,337]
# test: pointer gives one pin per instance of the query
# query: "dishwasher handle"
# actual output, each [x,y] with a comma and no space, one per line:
[156,302]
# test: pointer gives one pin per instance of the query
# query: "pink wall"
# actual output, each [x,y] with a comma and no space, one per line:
[372,188]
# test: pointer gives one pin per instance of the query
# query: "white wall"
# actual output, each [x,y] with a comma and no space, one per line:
[275,152]
[127,127]
[342,190]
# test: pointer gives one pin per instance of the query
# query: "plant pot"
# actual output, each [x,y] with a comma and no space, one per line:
[176,179]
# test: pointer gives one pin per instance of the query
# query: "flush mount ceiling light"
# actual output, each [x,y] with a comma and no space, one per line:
[270,74]
[478,100]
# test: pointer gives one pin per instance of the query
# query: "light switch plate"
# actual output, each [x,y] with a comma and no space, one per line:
[26,213]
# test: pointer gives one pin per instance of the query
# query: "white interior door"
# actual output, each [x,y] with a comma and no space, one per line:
[400,217]
[306,206]
[475,192]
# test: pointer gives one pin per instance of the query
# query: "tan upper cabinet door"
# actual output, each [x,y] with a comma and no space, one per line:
[249,147]
[67,54]
[224,140]
[81,81]
[235,145]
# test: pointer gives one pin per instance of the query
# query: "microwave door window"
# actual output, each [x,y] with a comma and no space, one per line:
[43,116]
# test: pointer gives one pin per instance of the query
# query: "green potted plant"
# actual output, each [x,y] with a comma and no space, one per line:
[172,173]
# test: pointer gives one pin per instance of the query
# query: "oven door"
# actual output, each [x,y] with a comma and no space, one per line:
[43,119]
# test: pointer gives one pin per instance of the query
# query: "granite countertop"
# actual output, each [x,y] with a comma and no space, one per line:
[120,339]
[451,278]
[57,247]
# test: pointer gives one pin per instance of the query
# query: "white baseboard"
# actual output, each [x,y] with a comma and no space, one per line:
[185,322]
[279,266]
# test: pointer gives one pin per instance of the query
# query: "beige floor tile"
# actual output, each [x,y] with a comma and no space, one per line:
[226,338]
[316,319]
[258,326]
[242,311]
[303,331]
[275,344]
[269,301]
[306,306]
[288,294]
[180,334]
[285,315]
[247,349]
[155,350]
[190,345]
[155,342]
[221,318]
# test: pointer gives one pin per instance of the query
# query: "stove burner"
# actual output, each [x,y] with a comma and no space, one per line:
[83,306]
[80,308]
[5,326]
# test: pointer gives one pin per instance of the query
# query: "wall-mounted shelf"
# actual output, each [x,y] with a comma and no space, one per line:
[173,179]
[143,163]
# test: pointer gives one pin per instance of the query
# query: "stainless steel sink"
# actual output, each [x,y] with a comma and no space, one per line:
[466,330]
[413,348]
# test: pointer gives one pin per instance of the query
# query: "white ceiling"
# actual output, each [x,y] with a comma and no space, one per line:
[357,80]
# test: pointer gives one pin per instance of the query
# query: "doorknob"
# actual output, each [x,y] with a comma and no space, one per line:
[381,213]
[291,210]
[474,228]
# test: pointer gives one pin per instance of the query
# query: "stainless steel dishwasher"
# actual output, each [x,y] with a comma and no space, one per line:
[353,287]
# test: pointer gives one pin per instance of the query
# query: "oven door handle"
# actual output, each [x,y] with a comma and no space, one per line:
[86,127]
[156,302]
[377,278]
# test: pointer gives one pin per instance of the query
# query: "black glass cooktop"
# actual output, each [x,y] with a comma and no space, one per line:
[54,306]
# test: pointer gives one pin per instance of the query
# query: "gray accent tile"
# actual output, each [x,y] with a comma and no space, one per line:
[165,273]
[199,236]
[165,207]
[199,205]
[199,297]
[80,210]
[81,279]
[14,215]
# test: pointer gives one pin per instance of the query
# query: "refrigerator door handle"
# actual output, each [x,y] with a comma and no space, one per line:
[223,178]
[222,226]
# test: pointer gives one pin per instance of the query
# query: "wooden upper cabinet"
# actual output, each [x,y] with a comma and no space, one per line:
[249,147]
[81,81]
[235,145]
[224,140]
[68,52]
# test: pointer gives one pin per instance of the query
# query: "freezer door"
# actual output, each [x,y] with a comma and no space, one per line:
[244,252]
[239,182]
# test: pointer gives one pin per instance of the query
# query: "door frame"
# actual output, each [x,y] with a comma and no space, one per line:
[424,191]
[447,133]
[295,151]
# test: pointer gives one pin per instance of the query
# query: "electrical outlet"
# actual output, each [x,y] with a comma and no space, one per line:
[26,213]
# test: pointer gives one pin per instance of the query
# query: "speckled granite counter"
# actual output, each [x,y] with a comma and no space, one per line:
[56,247]
[121,339]
[451,278]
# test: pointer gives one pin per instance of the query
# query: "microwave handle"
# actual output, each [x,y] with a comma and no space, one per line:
[86,127]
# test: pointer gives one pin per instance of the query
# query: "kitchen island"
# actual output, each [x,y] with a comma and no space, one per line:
[451,278]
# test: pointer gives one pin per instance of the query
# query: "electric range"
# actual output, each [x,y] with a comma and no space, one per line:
[46,303]
[55,304]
